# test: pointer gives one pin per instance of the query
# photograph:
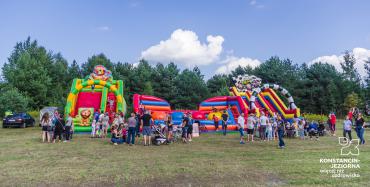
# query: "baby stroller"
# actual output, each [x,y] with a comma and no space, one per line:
[159,134]
[321,129]
[177,133]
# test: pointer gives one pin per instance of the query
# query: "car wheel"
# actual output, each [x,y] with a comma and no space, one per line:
[24,125]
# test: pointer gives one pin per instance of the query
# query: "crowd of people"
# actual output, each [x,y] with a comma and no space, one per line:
[121,131]
[273,127]
[54,127]
[354,120]
[266,127]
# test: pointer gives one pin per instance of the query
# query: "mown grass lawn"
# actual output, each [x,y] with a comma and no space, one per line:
[210,160]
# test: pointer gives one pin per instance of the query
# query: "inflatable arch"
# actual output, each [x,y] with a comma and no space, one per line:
[266,89]
[77,87]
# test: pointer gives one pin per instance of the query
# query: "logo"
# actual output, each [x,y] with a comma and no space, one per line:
[349,147]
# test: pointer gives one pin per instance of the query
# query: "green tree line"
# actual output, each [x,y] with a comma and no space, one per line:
[34,77]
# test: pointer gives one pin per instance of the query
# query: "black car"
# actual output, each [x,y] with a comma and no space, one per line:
[22,120]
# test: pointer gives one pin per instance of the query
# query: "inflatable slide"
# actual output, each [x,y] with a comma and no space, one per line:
[264,98]
[97,92]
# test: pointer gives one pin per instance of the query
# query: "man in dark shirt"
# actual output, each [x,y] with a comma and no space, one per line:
[146,121]
[281,131]
[225,118]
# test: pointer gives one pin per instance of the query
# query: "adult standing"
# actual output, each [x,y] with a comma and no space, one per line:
[46,125]
[58,129]
[281,131]
[333,120]
[225,118]
[68,127]
[131,129]
[347,128]
[184,126]
[360,128]
[263,123]
[241,124]
[169,127]
[138,120]
[189,132]
[94,124]
[250,127]
[147,131]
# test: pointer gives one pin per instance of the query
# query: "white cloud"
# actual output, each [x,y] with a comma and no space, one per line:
[256,4]
[136,64]
[185,48]
[360,54]
[103,28]
[232,62]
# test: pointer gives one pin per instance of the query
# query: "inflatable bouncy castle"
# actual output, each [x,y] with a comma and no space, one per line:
[247,96]
[264,98]
[97,92]
[159,108]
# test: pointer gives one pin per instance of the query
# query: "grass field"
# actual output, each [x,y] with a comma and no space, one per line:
[210,160]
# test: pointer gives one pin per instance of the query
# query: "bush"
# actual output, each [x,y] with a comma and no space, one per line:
[12,100]
[35,114]
[316,117]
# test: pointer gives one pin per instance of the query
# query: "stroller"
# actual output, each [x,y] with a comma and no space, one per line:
[159,133]
[177,133]
[321,129]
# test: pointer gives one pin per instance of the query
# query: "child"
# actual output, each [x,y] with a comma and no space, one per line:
[274,129]
[301,130]
[100,125]
[269,131]
[124,131]
[105,122]
[116,120]
[215,121]
[347,128]
[94,124]
[295,125]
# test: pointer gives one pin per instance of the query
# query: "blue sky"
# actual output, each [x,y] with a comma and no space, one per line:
[242,32]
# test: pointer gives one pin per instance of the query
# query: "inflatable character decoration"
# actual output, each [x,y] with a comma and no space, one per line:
[101,73]
[85,116]
[247,82]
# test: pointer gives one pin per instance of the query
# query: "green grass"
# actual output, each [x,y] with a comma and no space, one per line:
[210,160]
